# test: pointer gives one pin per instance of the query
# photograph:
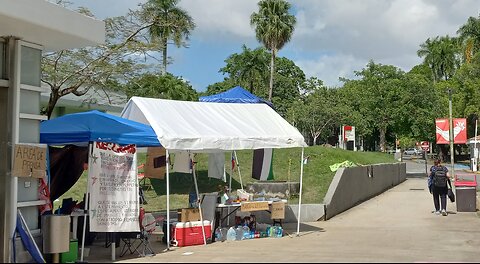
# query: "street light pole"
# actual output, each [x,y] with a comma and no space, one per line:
[451,136]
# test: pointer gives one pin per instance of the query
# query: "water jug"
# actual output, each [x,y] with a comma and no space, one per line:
[231,234]
[246,232]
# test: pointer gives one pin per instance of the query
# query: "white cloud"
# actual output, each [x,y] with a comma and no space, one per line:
[221,20]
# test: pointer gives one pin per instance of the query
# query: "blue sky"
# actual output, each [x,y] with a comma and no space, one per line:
[332,38]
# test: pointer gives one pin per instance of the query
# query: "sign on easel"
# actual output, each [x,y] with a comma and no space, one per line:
[114,199]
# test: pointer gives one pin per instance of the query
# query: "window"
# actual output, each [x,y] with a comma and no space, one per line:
[31,66]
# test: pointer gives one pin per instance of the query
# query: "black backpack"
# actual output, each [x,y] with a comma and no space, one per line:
[440,177]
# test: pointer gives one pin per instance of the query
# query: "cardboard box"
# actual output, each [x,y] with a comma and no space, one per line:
[155,166]
[278,210]
[188,215]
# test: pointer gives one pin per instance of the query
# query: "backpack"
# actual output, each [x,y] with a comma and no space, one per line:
[440,178]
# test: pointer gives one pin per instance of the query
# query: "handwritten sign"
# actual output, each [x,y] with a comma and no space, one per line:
[114,204]
[254,206]
[29,161]
[278,210]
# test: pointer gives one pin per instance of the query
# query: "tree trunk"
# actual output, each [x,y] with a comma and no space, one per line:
[272,70]
[383,131]
[163,69]
[51,103]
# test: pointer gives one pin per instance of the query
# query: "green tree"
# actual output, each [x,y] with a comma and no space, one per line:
[469,34]
[274,27]
[169,22]
[78,70]
[441,55]
[248,68]
[319,111]
[164,86]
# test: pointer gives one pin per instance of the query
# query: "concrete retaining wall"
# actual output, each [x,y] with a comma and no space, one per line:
[351,186]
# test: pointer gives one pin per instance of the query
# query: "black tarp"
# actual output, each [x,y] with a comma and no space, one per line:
[66,167]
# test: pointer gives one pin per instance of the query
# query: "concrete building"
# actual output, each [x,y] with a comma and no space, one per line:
[27,28]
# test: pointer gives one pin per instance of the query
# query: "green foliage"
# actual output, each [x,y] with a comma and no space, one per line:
[442,55]
[168,22]
[273,28]
[161,86]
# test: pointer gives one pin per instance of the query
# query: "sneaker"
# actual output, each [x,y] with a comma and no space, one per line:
[437,212]
[444,213]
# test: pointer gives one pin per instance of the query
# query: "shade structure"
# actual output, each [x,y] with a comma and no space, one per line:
[235,95]
[96,126]
[207,127]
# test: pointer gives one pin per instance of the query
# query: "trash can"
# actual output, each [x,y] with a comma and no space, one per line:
[466,196]
[72,255]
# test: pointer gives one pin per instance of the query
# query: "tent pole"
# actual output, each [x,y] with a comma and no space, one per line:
[85,207]
[230,187]
[238,168]
[198,198]
[300,195]
[167,157]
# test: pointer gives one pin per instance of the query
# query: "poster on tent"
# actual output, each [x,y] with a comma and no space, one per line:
[114,199]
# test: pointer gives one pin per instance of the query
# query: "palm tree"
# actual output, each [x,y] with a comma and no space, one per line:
[273,28]
[470,36]
[441,55]
[169,23]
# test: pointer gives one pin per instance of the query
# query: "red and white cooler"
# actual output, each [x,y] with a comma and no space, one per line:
[190,233]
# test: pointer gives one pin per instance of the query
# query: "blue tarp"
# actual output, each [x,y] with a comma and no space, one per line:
[96,126]
[235,95]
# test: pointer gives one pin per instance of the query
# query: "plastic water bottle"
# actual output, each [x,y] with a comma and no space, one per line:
[239,233]
[273,231]
[246,232]
[279,232]
[220,234]
[231,234]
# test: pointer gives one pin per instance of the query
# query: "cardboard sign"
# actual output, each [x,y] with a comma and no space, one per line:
[254,206]
[188,214]
[155,166]
[29,161]
[278,210]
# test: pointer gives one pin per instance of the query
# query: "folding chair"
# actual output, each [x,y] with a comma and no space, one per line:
[147,226]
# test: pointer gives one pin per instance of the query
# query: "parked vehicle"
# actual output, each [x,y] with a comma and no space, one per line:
[412,151]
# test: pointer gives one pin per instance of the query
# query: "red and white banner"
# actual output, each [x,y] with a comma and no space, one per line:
[459,130]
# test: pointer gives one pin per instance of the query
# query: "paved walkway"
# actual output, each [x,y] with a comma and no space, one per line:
[396,226]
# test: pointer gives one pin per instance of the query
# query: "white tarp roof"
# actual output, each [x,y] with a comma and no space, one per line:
[204,126]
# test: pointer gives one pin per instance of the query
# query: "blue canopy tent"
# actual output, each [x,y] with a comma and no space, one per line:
[87,127]
[96,126]
[235,95]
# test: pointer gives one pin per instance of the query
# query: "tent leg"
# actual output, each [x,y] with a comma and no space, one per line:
[167,154]
[198,200]
[238,168]
[300,195]
[87,195]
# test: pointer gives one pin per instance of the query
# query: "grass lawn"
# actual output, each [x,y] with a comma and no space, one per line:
[286,166]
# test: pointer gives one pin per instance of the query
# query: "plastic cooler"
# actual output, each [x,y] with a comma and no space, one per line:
[466,193]
[190,233]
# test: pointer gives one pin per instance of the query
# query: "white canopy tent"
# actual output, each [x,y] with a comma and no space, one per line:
[213,127]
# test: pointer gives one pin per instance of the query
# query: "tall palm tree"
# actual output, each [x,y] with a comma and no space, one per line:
[441,55]
[273,28]
[469,34]
[170,22]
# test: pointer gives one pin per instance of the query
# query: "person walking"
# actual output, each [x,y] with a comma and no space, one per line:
[438,180]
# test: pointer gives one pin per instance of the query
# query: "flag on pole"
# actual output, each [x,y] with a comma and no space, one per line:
[262,168]
[233,161]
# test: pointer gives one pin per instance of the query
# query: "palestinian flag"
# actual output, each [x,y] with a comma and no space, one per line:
[262,168]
